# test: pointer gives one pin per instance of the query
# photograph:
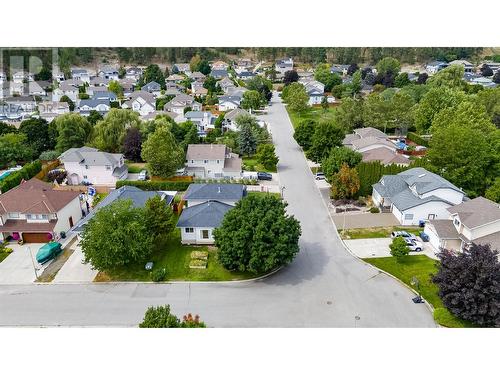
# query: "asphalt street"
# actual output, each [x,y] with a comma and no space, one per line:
[325,286]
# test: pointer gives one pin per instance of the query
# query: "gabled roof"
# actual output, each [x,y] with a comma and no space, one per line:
[197,114]
[425,181]
[476,212]
[151,86]
[206,152]
[370,141]
[90,156]
[209,215]
[369,132]
[232,114]
[36,197]
[385,156]
[215,192]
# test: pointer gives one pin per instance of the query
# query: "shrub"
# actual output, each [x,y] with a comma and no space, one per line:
[374,210]
[417,139]
[398,247]
[155,185]
[56,175]
[25,173]
[159,275]
[49,155]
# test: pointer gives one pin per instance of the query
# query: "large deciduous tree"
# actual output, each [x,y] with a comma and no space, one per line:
[251,100]
[337,157]
[159,217]
[296,97]
[110,132]
[345,183]
[38,134]
[73,131]
[290,76]
[152,73]
[14,148]
[132,144]
[469,284]
[161,317]
[116,236]
[326,135]
[388,65]
[257,235]
[162,153]
[304,132]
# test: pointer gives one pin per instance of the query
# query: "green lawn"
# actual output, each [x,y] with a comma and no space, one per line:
[135,167]
[278,195]
[252,164]
[175,257]
[3,256]
[311,113]
[422,267]
[376,232]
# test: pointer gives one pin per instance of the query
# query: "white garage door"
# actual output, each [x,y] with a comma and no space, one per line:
[433,237]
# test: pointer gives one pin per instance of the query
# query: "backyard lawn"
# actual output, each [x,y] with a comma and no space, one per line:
[252,164]
[175,258]
[313,113]
[376,232]
[135,167]
[422,267]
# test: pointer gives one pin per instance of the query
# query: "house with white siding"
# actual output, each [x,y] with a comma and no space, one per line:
[212,161]
[142,102]
[416,195]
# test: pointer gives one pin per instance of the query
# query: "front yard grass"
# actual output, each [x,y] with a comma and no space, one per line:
[313,113]
[422,267]
[175,258]
[3,255]
[375,232]
[252,164]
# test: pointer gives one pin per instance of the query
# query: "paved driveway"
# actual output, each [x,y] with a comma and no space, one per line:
[325,286]
[17,268]
[379,247]
[74,271]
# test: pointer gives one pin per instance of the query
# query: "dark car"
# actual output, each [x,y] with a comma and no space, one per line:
[264,176]
[424,236]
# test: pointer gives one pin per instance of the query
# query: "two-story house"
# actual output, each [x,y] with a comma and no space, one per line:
[416,195]
[219,65]
[229,102]
[66,88]
[89,165]
[206,205]
[153,88]
[284,65]
[180,102]
[474,221]
[85,106]
[142,102]
[35,212]
[202,119]
[50,110]
[80,75]
[109,73]
[133,73]
[212,161]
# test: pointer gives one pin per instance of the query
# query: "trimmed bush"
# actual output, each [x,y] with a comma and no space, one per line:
[49,155]
[374,210]
[27,172]
[417,139]
[155,185]
[159,275]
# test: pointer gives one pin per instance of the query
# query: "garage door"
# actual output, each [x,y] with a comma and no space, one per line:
[35,237]
[433,237]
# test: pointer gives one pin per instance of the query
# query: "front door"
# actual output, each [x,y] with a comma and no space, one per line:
[71,221]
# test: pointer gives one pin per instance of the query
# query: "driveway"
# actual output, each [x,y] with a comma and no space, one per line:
[17,268]
[74,271]
[363,220]
[325,286]
[379,247]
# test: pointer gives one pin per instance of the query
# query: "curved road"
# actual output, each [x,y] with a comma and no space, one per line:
[324,287]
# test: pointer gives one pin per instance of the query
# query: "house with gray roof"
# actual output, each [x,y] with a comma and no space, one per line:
[89,165]
[230,122]
[137,196]
[206,205]
[416,195]
[212,161]
[204,121]
[85,106]
[153,88]
[219,74]
[473,221]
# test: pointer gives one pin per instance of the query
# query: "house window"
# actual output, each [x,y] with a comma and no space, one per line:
[431,216]
[14,215]
[204,234]
[408,216]
[205,161]
[85,177]
[189,230]
[218,161]
[86,166]
[108,167]
[456,222]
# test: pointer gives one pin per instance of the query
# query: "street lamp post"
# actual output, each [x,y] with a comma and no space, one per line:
[281,190]
[416,283]
[33,263]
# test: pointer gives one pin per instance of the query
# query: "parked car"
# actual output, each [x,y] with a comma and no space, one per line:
[143,175]
[48,251]
[319,176]
[424,236]
[413,245]
[404,234]
[264,176]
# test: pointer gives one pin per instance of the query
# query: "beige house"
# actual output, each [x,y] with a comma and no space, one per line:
[476,220]
[212,161]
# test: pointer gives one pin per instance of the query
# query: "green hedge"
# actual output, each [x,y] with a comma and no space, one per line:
[417,139]
[155,185]
[27,172]
[371,172]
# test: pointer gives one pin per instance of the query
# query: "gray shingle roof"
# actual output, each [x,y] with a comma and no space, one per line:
[208,214]
[206,152]
[215,192]
[477,212]
[89,156]
[425,181]
[445,229]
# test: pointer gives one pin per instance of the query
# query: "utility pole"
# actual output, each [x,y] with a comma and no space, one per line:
[33,263]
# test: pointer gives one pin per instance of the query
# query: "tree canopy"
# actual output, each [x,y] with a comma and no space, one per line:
[110,132]
[73,131]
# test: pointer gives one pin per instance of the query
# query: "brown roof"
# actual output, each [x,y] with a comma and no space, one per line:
[385,156]
[206,152]
[24,226]
[36,197]
[445,229]
[477,212]
[233,163]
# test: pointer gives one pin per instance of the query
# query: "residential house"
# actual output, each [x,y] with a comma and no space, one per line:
[180,103]
[12,113]
[153,88]
[341,70]
[175,78]
[198,76]
[225,84]
[182,68]
[133,73]
[85,106]
[99,81]
[92,90]
[206,205]
[57,76]
[315,90]
[80,75]
[105,95]
[245,75]
[3,77]
[202,119]
[198,89]
[416,195]
[219,65]
[230,122]
[212,161]
[22,76]
[385,157]
[66,88]
[365,139]
[89,165]
[468,67]
[128,86]
[35,88]
[219,74]
[25,104]
[435,66]
[137,196]
[284,65]
[36,213]
[109,73]
[229,102]
[141,101]
[474,221]
[495,66]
